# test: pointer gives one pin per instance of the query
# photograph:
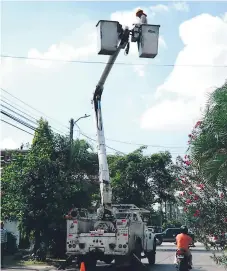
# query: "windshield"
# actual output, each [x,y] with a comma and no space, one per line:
[122,215]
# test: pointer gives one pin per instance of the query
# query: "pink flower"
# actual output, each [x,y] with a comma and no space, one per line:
[198,124]
[185,209]
[196,197]
[201,186]
[188,201]
[189,135]
[222,195]
[197,213]
[190,192]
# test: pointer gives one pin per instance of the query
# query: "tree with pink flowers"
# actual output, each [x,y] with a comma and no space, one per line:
[203,172]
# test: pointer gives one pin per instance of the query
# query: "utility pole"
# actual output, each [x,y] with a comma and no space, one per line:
[72,124]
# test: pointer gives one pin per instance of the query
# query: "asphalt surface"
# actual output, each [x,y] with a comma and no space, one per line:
[164,261]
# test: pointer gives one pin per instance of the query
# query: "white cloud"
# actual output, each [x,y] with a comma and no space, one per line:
[8,143]
[61,51]
[6,67]
[205,44]
[225,17]
[171,116]
[181,6]
[159,8]
[162,42]
[66,51]
[127,17]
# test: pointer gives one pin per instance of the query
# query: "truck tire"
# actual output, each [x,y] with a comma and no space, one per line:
[108,259]
[151,256]
[135,261]
[158,241]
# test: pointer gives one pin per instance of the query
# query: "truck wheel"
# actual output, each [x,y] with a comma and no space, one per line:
[108,260]
[151,256]
[158,241]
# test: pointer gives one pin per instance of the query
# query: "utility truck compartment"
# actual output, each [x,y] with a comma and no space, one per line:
[108,37]
[148,43]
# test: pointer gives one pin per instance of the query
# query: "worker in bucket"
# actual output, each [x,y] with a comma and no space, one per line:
[142,16]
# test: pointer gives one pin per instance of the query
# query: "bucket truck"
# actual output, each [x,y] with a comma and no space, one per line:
[118,231]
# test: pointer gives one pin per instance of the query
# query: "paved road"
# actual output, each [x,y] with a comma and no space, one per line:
[164,261]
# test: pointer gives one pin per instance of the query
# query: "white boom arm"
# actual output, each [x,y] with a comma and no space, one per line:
[104,177]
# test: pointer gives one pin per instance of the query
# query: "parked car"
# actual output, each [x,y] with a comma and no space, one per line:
[169,235]
[155,229]
[218,240]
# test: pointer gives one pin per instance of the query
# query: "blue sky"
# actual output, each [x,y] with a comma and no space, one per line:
[156,106]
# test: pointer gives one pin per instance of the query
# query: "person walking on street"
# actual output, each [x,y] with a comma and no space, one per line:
[3,242]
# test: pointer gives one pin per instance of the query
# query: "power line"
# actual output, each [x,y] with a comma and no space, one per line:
[32,107]
[148,145]
[26,110]
[18,120]
[33,128]
[118,141]
[106,145]
[18,109]
[16,127]
[18,114]
[116,63]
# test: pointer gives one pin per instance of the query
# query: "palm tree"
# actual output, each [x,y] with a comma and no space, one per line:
[209,149]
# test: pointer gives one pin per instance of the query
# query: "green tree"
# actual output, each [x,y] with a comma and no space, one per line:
[203,173]
[42,186]
[209,139]
[141,179]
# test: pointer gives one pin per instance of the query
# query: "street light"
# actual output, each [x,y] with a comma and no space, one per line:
[83,117]
[73,122]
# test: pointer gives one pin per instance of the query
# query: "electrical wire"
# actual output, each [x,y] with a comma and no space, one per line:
[29,115]
[15,105]
[16,127]
[106,145]
[32,107]
[116,63]
[148,145]
[18,114]
[18,120]
[84,134]
[33,128]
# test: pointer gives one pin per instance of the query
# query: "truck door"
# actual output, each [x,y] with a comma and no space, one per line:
[149,240]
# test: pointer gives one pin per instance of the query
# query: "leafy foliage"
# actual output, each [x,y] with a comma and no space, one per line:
[141,179]
[42,186]
[202,175]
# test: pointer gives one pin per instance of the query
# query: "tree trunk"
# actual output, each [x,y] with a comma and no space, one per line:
[165,210]
[170,211]
[37,241]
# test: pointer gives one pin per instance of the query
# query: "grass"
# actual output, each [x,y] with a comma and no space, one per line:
[30,262]
[11,261]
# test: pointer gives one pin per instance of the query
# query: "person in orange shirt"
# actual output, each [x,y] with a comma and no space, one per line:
[183,240]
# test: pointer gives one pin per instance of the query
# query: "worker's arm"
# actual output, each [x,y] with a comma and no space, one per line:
[143,19]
